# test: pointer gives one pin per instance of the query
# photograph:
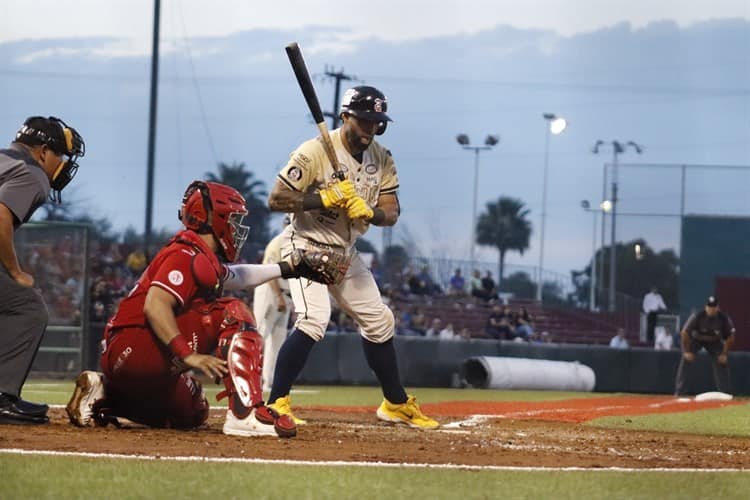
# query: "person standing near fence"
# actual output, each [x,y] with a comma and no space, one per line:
[653,305]
[40,162]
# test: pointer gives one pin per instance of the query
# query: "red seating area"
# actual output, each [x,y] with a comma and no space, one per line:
[562,325]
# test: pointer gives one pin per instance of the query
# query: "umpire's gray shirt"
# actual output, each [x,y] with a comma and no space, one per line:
[24,184]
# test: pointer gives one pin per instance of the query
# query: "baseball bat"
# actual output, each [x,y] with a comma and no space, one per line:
[305,84]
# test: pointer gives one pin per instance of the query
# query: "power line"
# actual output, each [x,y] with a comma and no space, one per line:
[338,76]
[201,107]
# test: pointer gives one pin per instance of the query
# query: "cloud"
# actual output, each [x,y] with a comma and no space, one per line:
[682,92]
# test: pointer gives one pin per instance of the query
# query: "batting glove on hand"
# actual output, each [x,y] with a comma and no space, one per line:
[338,194]
[357,208]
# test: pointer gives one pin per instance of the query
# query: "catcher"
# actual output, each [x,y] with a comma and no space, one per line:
[175,319]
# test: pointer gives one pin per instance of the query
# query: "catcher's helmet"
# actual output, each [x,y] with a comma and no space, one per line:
[213,208]
[367,103]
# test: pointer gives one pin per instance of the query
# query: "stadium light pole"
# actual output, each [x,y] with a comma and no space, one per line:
[489,142]
[604,207]
[617,149]
[554,125]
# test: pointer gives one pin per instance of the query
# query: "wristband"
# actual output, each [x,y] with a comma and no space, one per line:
[312,201]
[286,270]
[378,216]
[180,347]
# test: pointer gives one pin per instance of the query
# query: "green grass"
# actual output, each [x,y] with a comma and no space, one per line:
[47,477]
[58,392]
[69,477]
[729,421]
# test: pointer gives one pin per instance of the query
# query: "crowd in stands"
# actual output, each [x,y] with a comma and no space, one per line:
[57,270]
[502,323]
[115,267]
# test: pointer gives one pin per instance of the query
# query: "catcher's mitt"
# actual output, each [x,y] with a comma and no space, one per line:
[322,266]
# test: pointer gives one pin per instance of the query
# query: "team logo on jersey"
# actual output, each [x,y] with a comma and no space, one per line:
[175,277]
[294,174]
[301,159]
[342,168]
[371,168]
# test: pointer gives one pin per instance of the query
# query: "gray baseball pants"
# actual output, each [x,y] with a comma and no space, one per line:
[23,319]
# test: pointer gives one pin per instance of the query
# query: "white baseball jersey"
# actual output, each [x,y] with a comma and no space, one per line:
[309,170]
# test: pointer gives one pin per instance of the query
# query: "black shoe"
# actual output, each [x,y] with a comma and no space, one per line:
[14,410]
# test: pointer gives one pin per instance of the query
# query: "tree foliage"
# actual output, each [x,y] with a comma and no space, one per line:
[634,274]
[504,226]
[254,191]
[520,285]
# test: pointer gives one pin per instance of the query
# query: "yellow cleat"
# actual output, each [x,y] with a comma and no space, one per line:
[407,413]
[283,406]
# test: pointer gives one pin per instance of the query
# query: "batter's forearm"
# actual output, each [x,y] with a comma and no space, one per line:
[292,201]
[387,211]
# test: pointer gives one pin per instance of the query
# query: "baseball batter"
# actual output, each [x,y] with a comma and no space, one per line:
[331,214]
[272,307]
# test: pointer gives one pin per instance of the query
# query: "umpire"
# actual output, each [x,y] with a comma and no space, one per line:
[39,163]
[713,330]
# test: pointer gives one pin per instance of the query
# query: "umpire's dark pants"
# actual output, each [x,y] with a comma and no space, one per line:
[721,372]
[23,319]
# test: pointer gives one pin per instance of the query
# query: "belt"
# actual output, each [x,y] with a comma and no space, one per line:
[324,245]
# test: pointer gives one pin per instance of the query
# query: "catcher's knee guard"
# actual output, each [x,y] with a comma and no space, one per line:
[241,346]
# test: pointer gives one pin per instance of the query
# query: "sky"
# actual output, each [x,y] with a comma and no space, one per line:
[387,19]
[671,75]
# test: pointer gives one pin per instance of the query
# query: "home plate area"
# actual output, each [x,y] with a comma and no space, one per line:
[524,434]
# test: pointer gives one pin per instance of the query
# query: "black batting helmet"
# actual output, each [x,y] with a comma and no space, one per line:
[367,103]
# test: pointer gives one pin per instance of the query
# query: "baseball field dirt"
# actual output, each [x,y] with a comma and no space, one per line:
[550,433]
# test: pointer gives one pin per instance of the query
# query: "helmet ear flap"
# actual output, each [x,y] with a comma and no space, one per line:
[189,219]
[381,128]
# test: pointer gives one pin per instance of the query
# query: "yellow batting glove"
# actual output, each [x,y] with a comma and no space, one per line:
[357,208]
[338,194]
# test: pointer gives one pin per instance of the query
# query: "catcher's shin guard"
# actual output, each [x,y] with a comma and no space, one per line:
[243,352]
[241,346]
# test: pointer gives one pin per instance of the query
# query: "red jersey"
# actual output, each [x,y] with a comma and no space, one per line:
[173,269]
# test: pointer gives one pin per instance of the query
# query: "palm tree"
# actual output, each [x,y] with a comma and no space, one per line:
[254,191]
[504,226]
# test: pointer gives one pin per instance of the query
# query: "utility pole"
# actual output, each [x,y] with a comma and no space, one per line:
[338,76]
[152,131]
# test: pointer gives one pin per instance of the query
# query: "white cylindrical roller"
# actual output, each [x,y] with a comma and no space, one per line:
[530,374]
